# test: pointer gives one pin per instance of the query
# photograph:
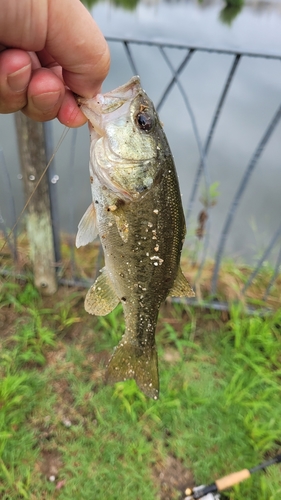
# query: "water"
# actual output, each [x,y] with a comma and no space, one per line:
[252,101]
[256,28]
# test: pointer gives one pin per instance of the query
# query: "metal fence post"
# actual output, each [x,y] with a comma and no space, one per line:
[52,184]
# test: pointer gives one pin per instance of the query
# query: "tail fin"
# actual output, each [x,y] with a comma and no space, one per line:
[129,361]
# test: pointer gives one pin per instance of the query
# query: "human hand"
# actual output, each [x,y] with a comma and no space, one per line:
[48,50]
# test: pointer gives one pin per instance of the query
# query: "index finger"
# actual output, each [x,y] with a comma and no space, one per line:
[77,44]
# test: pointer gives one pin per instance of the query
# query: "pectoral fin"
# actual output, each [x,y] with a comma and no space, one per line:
[181,287]
[87,227]
[101,298]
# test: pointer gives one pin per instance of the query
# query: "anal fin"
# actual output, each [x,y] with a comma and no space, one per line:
[181,287]
[101,298]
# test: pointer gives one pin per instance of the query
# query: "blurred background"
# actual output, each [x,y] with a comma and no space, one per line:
[220,32]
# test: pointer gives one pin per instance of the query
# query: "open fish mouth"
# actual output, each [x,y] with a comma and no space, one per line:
[111,158]
[109,106]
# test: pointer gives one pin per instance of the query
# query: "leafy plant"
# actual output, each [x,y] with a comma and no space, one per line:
[8,292]
[209,196]
[65,315]
[32,338]
[12,294]
[218,411]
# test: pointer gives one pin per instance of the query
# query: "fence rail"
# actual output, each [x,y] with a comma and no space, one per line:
[177,60]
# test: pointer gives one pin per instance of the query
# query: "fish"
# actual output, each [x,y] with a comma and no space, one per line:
[137,212]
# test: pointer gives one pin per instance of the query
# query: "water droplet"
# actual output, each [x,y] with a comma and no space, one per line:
[32,177]
[54,179]
[112,208]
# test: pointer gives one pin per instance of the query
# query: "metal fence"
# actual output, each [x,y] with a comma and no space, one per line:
[238,94]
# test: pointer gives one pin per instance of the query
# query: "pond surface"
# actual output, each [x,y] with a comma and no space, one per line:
[256,28]
[253,99]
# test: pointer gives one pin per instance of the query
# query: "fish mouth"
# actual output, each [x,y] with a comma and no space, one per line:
[106,107]
[101,110]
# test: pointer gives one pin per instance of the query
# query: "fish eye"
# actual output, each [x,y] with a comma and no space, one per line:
[145,121]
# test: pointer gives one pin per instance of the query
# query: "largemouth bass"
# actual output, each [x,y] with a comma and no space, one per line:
[137,212]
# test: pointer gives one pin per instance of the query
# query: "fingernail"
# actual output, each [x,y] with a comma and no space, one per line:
[18,81]
[46,102]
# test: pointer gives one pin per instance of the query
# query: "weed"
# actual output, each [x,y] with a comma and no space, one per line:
[209,195]
[64,313]
[29,295]
[32,339]
[111,327]
[8,292]
[219,407]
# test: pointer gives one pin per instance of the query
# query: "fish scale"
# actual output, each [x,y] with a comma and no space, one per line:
[138,215]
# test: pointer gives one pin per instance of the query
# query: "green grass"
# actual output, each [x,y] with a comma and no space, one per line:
[219,408]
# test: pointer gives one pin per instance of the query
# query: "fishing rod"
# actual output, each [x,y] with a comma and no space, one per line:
[208,492]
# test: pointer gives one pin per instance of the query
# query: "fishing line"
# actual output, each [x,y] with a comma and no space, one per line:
[62,137]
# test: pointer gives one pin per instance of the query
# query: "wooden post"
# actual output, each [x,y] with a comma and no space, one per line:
[31,144]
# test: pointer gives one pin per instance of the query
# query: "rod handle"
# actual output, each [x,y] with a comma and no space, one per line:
[231,479]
